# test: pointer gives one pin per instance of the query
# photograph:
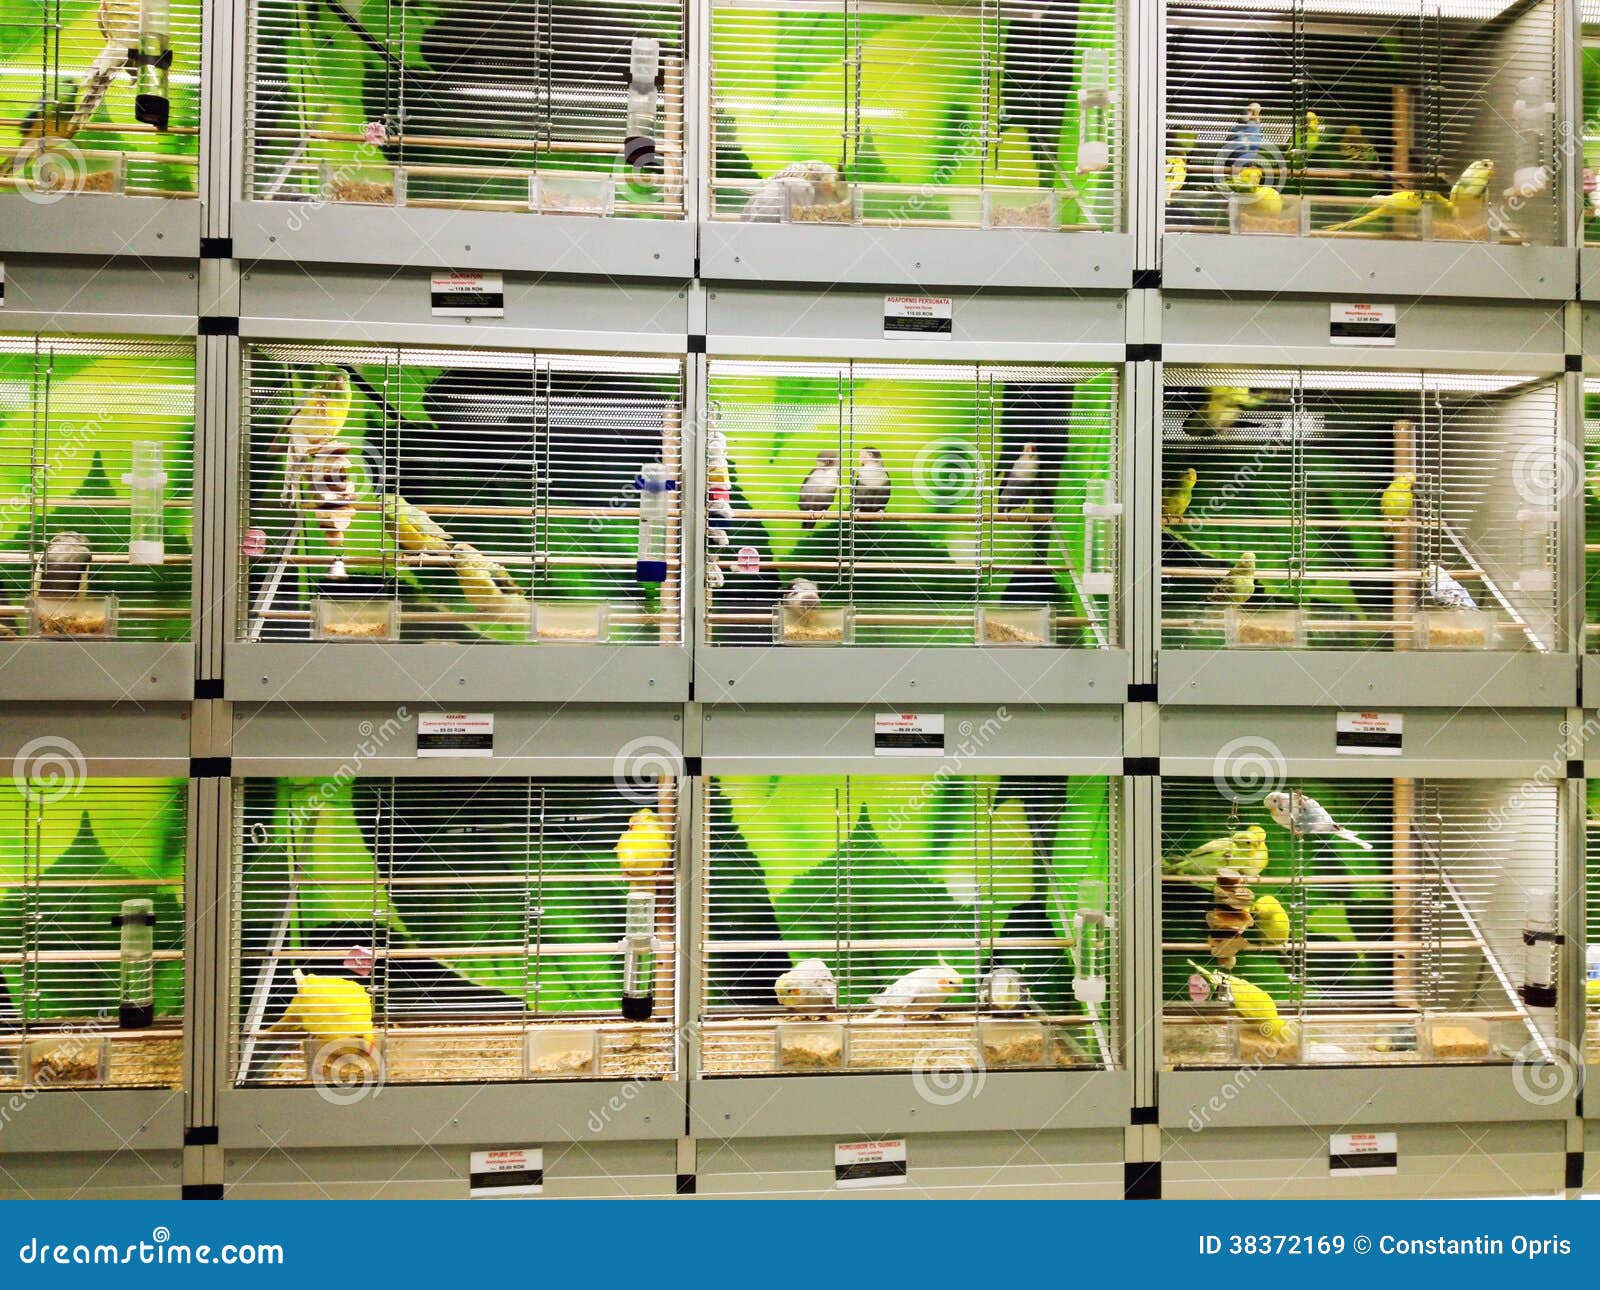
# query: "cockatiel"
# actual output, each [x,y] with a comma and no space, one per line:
[919,991]
[1239,583]
[1272,921]
[327,1007]
[414,530]
[820,486]
[486,585]
[1222,409]
[808,986]
[63,570]
[1175,500]
[802,595]
[644,847]
[1021,481]
[1308,818]
[809,183]
[1397,499]
[1442,590]
[1473,183]
[1006,990]
[871,486]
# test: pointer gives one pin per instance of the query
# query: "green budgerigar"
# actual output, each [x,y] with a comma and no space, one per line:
[1221,411]
[1397,499]
[1239,583]
[1175,500]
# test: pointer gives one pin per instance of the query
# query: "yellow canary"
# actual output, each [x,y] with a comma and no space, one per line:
[414,529]
[327,1007]
[1397,498]
[1177,174]
[644,848]
[1250,1001]
[1175,500]
[1272,920]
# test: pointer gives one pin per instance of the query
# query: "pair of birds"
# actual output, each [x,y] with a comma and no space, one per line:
[485,583]
[871,485]
[810,986]
[1468,193]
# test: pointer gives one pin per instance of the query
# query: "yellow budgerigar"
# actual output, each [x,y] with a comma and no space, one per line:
[1175,500]
[1267,201]
[486,584]
[1405,202]
[1272,921]
[327,1007]
[1239,583]
[1248,848]
[644,848]
[414,529]
[1397,498]
[1250,1001]
[1244,849]
[1473,184]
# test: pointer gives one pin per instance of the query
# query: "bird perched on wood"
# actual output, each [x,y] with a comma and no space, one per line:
[486,585]
[805,183]
[1443,591]
[802,596]
[1272,921]
[1305,817]
[644,848]
[870,487]
[414,530]
[809,986]
[1356,148]
[1245,139]
[1222,409]
[1175,500]
[1397,499]
[919,991]
[1021,481]
[820,486]
[1004,989]
[1245,850]
[63,569]
[1239,583]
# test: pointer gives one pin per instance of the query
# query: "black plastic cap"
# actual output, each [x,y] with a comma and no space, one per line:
[635,1008]
[136,1016]
[152,109]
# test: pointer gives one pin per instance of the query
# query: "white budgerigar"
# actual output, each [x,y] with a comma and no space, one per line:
[1305,817]
[1440,589]
[920,991]
[807,987]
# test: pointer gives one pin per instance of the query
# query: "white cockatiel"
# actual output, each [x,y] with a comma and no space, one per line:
[920,991]
[807,987]
[809,183]
[1308,818]
[1005,990]
[1444,591]
[802,596]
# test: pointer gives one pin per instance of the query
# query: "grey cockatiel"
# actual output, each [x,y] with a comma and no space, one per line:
[63,570]
[871,488]
[920,991]
[1440,589]
[1306,817]
[808,986]
[820,486]
[1021,480]
[806,182]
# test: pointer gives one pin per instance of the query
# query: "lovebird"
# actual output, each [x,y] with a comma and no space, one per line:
[923,989]
[644,847]
[1308,818]
[870,486]
[1021,480]
[808,986]
[1239,583]
[327,1007]
[1272,920]
[1175,500]
[818,489]
[1397,498]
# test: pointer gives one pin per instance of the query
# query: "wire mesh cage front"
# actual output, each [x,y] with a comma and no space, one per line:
[570,107]
[1358,510]
[1589,70]
[912,504]
[461,495]
[96,498]
[1591,512]
[100,96]
[1358,922]
[91,927]
[941,113]
[880,923]
[1409,119]
[1591,921]
[423,931]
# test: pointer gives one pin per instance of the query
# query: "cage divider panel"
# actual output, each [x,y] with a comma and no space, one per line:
[1307,470]
[73,853]
[917,113]
[552,105]
[1591,545]
[1591,921]
[78,484]
[1409,953]
[467,495]
[888,503]
[911,922]
[483,919]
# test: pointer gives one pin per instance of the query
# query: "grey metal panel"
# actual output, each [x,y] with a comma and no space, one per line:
[1366,1097]
[90,224]
[1497,337]
[874,1106]
[109,671]
[411,1115]
[100,1120]
[774,674]
[739,252]
[1326,266]
[381,739]
[978,740]
[111,739]
[85,294]
[1589,269]
[129,1174]
[1504,743]
[1274,678]
[847,322]
[333,233]
[453,674]
[296,302]
[1591,675]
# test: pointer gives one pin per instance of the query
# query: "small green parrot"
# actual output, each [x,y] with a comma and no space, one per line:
[1397,498]
[413,529]
[1245,849]
[1239,583]
[1221,411]
[1175,500]
[1356,148]
[1272,921]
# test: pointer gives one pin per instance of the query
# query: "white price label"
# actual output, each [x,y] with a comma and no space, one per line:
[918,317]
[467,295]
[1359,1155]
[1368,734]
[455,734]
[1362,324]
[908,734]
[508,1171]
[870,1164]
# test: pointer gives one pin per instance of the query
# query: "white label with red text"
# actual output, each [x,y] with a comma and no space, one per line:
[870,1164]
[1362,324]
[908,734]
[1368,734]
[918,317]
[509,1171]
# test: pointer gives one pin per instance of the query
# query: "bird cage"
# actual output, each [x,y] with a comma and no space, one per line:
[100,98]
[912,504]
[556,107]
[1359,119]
[1358,922]
[891,923]
[1591,544]
[1589,72]
[424,931]
[96,496]
[1358,510]
[472,496]
[91,929]
[989,114]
